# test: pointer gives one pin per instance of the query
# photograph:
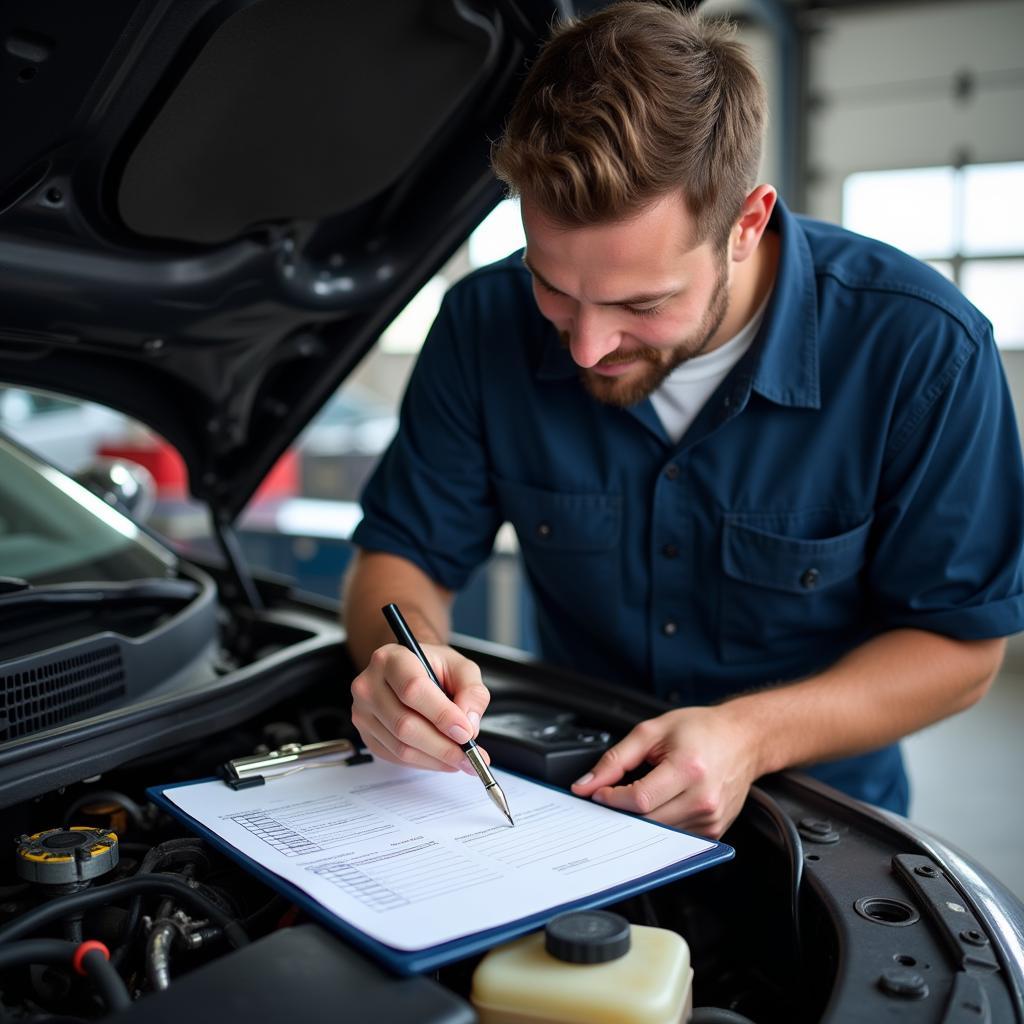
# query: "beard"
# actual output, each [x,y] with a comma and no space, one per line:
[657,363]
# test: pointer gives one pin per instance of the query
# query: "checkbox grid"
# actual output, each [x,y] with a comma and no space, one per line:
[283,839]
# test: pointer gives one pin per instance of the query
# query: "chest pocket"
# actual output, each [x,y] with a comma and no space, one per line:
[779,591]
[569,544]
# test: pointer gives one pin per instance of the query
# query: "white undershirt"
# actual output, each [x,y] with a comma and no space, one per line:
[684,391]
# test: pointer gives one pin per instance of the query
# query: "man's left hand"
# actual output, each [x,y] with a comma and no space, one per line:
[704,761]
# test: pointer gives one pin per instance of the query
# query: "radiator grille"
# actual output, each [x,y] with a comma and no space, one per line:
[48,694]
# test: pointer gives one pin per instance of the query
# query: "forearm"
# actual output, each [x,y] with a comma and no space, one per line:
[376,579]
[889,687]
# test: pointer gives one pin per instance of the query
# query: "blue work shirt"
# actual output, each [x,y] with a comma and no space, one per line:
[858,471]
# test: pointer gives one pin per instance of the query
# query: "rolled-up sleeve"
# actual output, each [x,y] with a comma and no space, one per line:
[949,526]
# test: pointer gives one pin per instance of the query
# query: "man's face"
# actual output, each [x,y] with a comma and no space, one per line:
[631,299]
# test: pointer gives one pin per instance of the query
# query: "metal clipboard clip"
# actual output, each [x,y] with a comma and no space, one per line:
[258,769]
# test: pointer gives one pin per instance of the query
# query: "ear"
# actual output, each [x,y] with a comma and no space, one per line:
[752,221]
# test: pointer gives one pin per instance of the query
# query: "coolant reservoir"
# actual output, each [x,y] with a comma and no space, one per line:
[586,967]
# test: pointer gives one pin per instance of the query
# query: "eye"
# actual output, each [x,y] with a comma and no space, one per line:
[547,288]
[644,310]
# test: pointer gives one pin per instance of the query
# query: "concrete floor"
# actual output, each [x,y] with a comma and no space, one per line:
[967,774]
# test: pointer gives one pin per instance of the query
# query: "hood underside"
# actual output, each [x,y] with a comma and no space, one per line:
[209,209]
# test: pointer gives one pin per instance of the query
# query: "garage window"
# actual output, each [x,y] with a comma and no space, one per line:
[961,220]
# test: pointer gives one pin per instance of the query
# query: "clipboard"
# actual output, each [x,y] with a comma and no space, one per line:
[404,961]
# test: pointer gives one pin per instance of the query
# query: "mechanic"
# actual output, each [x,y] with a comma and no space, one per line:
[760,467]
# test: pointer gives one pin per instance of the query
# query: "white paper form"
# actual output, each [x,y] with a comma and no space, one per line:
[416,858]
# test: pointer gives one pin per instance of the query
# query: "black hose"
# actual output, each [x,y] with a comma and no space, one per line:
[221,898]
[89,898]
[172,849]
[795,853]
[103,975]
[57,951]
[717,1015]
[36,951]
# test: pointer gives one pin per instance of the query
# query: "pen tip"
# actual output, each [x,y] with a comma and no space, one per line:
[498,798]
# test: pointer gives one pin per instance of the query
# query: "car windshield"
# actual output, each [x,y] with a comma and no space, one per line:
[53,530]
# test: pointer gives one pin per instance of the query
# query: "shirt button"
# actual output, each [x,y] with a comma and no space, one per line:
[543,529]
[670,551]
[671,472]
[809,580]
[673,697]
[670,628]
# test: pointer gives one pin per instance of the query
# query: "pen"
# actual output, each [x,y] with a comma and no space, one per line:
[403,634]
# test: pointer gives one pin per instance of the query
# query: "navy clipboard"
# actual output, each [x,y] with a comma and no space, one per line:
[408,962]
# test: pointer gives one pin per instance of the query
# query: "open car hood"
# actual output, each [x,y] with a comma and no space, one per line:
[209,209]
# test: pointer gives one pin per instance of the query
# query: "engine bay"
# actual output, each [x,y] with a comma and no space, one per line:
[813,920]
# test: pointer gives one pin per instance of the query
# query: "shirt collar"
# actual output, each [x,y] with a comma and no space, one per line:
[786,352]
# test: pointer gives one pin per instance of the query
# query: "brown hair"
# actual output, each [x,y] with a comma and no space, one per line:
[629,104]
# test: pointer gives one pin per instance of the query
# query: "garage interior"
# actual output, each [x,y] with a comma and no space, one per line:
[861,92]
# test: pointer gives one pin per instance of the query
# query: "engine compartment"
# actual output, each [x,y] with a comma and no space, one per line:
[156,939]
[814,920]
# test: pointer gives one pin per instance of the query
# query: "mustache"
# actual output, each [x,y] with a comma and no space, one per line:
[647,355]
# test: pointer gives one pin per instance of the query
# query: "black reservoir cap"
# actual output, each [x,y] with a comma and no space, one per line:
[587,936]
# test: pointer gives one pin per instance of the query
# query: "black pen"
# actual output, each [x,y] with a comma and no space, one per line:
[403,634]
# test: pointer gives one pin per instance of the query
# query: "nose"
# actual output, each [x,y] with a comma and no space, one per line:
[591,336]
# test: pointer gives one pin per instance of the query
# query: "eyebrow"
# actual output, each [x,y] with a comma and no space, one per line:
[633,300]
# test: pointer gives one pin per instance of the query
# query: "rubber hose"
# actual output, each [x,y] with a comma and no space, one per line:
[89,898]
[102,974]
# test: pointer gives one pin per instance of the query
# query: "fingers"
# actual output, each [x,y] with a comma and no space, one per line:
[456,710]
[463,683]
[395,702]
[683,798]
[404,717]
[382,744]
[624,756]
[687,787]
[700,812]
[663,783]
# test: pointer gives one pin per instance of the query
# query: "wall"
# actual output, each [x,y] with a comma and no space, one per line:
[915,85]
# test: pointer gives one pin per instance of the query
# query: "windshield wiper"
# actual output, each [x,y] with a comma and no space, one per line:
[19,593]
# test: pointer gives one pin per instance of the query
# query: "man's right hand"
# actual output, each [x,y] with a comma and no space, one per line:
[404,718]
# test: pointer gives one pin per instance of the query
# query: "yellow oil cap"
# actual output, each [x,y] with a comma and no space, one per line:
[65,856]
